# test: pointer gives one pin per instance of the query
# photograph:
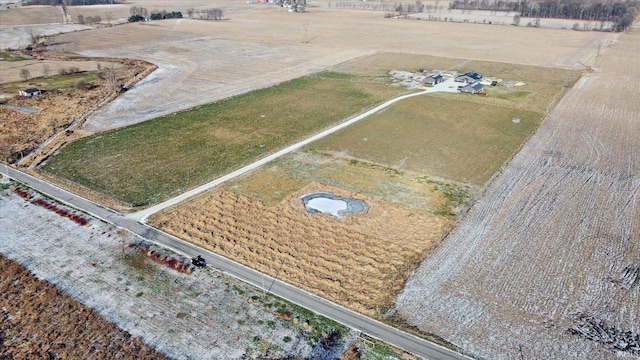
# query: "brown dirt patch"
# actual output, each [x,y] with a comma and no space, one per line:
[40,321]
[358,261]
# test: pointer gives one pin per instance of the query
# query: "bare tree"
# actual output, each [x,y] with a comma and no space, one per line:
[46,70]
[80,19]
[108,73]
[109,16]
[190,12]
[34,36]
[516,20]
[24,74]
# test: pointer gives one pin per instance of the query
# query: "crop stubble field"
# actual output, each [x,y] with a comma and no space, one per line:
[358,261]
[40,321]
[553,236]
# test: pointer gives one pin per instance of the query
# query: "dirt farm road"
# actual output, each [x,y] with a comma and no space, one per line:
[371,327]
[141,216]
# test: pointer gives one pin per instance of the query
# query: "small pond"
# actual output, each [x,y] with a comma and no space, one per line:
[22,108]
[328,203]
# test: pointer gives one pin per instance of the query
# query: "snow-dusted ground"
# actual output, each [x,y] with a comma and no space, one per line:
[207,314]
[553,235]
[17,36]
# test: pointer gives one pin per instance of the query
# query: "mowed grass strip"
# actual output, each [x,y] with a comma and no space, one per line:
[153,160]
[445,137]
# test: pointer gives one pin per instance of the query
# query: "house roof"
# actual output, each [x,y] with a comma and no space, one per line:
[435,76]
[30,90]
[475,86]
[474,75]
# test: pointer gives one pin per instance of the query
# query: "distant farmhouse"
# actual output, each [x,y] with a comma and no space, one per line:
[29,92]
[469,78]
[474,88]
[433,79]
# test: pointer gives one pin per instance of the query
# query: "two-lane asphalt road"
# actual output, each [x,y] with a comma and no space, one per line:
[373,328]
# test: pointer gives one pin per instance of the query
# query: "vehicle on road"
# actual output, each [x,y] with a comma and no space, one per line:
[199,261]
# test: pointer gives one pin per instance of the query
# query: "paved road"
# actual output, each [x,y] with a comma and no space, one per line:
[447,86]
[373,328]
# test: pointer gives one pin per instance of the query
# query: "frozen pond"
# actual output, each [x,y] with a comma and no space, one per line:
[328,203]
[22,108]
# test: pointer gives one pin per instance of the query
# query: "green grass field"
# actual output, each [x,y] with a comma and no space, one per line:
[151,161]
[445,137]
[49,83]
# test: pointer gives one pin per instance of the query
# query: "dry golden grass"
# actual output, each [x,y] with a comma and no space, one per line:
[359,261]
[38,321]
[31,15]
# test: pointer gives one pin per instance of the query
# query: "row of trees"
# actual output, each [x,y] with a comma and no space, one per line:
[72,2]
[621,12]
[206,14]
[89,19]
[139,13]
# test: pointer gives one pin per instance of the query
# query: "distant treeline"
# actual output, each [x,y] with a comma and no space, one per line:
[72,2]
[621,12]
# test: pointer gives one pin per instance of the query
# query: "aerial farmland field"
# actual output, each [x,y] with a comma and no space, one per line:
[504,225]
[553,244]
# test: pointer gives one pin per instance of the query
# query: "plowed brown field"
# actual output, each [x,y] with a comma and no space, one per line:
[38,321]
[553,236]
[359,261]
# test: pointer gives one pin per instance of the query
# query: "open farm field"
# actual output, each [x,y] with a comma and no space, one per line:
[261,45]
[151,161]
[205,313]
[359,261]
[31,15]
[40,321]
[546,262]
[440,136]
[18,36]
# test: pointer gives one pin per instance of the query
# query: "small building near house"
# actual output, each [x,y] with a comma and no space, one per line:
[469,78]
[29,92]
[433,79]
[474,88]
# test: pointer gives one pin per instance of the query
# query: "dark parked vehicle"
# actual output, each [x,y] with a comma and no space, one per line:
[199,261]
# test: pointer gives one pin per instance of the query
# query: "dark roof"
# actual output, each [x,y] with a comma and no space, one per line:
[475,86]
[435,76]
[30,90]
[474,75]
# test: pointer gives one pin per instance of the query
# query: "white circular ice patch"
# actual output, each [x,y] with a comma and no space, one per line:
[328,203]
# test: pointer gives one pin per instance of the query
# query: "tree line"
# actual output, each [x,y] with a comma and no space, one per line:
[72,2]
[139,13]
[621,12]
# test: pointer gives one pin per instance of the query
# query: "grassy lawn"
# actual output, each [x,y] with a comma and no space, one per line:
[445,137]
[49,83]
[7,56]
[273,183]
[151,161]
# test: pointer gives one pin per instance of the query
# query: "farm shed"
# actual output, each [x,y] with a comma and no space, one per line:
[433,79]
[469,78]
[472,88]
[29,92]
